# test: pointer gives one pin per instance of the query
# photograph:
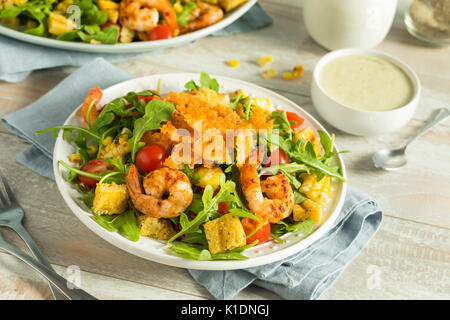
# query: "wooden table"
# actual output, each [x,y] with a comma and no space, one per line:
[407,259]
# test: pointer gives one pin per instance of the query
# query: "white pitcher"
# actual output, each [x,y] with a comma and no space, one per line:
[337,24]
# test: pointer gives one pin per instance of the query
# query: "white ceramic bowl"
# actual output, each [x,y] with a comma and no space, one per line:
[356,121]
[156,250]
[139,46]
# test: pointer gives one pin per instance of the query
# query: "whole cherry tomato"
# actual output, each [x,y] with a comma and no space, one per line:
[291,116]
[93,166]
[223,207]
[159,32]
[150,158]
[261,235]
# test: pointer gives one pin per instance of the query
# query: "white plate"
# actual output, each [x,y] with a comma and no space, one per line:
[140,46]
[156,250]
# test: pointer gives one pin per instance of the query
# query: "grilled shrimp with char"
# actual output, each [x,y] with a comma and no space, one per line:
[143,15]
[272,199]
[157,184]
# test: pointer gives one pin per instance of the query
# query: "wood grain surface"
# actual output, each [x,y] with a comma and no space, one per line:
[409,258]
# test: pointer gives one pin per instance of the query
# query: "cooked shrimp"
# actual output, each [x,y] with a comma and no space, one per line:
[280,198]
[203,16]
[91,101]
[143,15]
[157,184]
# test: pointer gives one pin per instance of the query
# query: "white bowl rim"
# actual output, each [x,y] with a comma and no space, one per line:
[172,260]
[371,52]
[133,47]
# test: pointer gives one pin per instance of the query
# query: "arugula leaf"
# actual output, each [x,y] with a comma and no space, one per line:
[282,227]
[326,142]
[298,197]
[205,82]
[210,207]
[247,107]
[235,101]
[156,112]
[193,177]
[184,16]
[307,157]
[201,253]
[191,85]
[125,223]
[282,124]
[38,10]
[85,132]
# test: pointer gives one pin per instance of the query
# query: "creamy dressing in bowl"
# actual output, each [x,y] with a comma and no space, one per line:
[366,82]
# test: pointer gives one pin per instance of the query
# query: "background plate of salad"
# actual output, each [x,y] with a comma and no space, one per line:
[95,34]
[291,240]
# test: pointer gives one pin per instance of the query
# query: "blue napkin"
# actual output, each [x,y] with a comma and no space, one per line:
[304,275]
[18,59]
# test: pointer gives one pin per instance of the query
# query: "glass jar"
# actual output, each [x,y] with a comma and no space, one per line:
[429,21]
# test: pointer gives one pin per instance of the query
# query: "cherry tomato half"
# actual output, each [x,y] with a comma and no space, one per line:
[223,207]
[147,99]
[159,32]
[277,157]
[93,166]
[261,235]
[150,158]
[291,116]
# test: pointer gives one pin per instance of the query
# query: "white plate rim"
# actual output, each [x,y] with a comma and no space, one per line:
[160,255]
[141,46]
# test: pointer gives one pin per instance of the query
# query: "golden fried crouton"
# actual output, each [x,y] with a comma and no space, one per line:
[307,209]
[155,228]
[224,233]
[309,136]
[59,24]
[229,5]
[110,199]
[315,190]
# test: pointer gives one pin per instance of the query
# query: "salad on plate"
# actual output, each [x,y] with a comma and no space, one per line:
[210,174]
[113,21]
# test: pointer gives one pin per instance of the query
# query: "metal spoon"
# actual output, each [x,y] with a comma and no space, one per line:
[393,159]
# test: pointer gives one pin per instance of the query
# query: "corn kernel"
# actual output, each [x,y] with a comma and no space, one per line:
[263,61]
[178,7]
[107,141]
[93,41]
[298,70]
[269,74]
[92,149]
[288,76]
[233,63]
[75,158]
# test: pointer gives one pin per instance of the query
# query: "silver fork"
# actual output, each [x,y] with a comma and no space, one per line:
[11,215]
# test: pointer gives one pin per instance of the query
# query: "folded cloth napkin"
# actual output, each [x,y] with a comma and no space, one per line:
[304,275]
[18,59]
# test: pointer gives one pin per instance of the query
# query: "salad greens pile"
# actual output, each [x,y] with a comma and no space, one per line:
[132,116]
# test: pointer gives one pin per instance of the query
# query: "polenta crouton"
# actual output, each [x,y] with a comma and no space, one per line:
[307,209]
[308,135]
[155,228]
[224,233]
[110,199]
